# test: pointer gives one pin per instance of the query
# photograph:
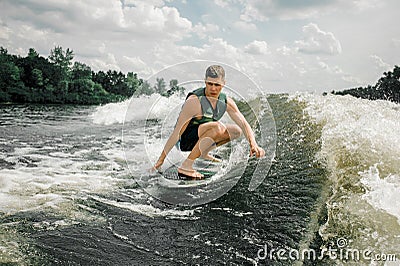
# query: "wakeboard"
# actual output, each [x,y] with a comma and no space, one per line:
[207,168]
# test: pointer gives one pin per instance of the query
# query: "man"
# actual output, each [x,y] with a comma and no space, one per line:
[198,129]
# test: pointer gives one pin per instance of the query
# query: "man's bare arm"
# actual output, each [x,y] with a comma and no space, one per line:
[189,110]
[241,121]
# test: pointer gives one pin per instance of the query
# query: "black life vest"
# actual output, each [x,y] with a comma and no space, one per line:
[209,113]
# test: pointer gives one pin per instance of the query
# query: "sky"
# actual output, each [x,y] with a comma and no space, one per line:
[284,46]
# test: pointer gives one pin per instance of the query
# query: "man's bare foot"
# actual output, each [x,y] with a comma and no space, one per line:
[211,158]
[191,174]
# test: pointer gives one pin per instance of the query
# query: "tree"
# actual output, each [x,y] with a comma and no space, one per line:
[174,88]
[81,71]
[102,79]
[160,86]
[82,86]
[35,79]
[132,82]
[11,86]
[389,85]
[386,88]
[118,84]
[144,89]
[62,59]
[37,72]
[32,53]
[3,52]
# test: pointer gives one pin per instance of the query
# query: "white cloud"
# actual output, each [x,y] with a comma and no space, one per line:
[156,3]
[286,51]
[244,26]
[221,50]
[256,47]
[143,36]
[30,33]
[254,10]
[317,41]
[102,33]
[396,42]
[299,69]
[95,18]
[215,49]
[154,22]
[352,80]
[329,69]
[263,10]
[222,3]
[202,30]
[366,4]
[4,31]
[102,47]
[379,62]
[105,62]
[138,66]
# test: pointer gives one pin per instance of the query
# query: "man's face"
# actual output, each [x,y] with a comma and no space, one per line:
[214,86]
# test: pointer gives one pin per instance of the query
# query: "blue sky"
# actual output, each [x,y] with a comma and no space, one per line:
[285,46]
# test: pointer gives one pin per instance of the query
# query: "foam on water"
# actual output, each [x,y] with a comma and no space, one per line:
[149,210]
[59,169]
[54,179]
[51,169]
[382,193]
[360,146]
[367,130]
[51,179]
[136,109]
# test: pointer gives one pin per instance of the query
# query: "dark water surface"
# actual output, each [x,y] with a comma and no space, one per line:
[68,199]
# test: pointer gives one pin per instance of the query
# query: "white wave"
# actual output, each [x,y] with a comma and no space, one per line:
[148,210]
[54,181]
[140,108]
[383,193]
[369,128]
[359,134]
[136,108]
[360,146]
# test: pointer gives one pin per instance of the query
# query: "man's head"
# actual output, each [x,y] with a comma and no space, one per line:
[215,80]
[215,71]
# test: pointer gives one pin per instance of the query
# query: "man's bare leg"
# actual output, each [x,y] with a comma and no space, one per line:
[187,165]
[206,146]
[209,134]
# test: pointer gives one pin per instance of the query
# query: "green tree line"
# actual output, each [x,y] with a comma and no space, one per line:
[386,88]
[57,79]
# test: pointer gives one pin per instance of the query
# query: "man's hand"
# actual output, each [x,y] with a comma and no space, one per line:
[257,151]
[157,165]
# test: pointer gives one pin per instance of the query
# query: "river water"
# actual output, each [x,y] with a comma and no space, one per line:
[68,197]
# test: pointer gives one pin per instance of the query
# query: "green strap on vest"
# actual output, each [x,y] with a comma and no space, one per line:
[209,114]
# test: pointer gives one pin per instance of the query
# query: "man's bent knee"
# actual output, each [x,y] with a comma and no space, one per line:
[234,131]
[214,130]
